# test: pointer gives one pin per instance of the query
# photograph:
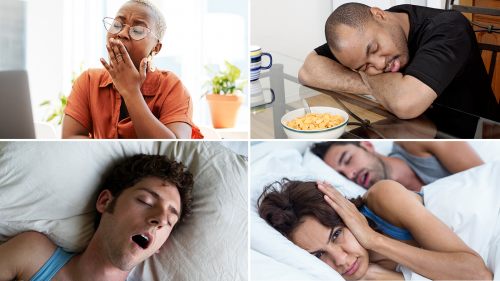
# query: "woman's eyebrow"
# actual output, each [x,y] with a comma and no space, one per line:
[135,21]
[330,236]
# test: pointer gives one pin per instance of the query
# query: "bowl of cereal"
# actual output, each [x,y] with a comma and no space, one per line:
[321,123]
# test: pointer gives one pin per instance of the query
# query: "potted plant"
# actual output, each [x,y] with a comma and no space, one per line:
[224,95]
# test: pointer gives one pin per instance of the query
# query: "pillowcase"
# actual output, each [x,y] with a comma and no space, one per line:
[321,171]
[266,241]
[51,187]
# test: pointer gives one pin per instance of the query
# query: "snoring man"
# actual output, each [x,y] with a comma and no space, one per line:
[142,201]
[413,164]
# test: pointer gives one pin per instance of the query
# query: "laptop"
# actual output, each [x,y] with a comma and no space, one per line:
[16,117]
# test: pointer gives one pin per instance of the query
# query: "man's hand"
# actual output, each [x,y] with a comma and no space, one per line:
[125,76]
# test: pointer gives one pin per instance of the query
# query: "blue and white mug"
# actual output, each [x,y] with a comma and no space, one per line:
[257,101]
[255,62]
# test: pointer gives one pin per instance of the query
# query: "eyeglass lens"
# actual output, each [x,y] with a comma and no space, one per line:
[136,32]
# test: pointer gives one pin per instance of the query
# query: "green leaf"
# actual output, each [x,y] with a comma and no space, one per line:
[45,102]
[51,117]
[209,69]
[224,81]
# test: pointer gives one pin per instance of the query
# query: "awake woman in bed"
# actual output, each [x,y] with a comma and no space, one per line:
[366,238]
[130,97]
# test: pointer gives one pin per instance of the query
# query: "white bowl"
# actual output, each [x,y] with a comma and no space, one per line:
[330,133]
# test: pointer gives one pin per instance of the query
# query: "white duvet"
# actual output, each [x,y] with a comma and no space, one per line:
[468,202]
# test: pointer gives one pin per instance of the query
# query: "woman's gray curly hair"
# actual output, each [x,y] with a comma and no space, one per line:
[161,25]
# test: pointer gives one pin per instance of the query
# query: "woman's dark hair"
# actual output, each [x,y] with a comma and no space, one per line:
[285,205]
[133,169]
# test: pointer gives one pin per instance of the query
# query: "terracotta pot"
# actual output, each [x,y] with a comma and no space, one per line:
[224,109]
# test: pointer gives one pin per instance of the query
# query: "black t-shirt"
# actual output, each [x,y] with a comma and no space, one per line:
[444,55]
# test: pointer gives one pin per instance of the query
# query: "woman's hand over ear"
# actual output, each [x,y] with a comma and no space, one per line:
[353,219]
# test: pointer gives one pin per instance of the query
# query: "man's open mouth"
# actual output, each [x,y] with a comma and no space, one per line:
[363,179]
[142,240]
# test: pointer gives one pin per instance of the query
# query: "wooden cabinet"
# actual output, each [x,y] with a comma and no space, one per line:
[493,38]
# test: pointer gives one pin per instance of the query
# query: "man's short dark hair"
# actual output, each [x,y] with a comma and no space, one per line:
[321,148]
[355,15]
[133,169]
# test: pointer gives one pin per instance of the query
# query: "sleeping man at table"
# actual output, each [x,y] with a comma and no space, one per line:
[408,57]
[142,201]
[413,164]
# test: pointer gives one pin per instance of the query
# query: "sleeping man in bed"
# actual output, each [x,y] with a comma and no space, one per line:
[142,201]
[412,164]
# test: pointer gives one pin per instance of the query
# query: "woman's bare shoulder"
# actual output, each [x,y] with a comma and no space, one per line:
[387,199]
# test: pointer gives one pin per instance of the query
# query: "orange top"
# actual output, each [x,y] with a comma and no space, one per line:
[95,103]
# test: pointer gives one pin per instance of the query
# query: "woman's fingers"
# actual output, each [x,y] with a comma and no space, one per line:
[106,65]
[123,51]
[333,193]
[120,58]
[342,213]
[111,53]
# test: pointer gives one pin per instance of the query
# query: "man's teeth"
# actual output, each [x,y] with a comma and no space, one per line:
[364,178]
[145,237]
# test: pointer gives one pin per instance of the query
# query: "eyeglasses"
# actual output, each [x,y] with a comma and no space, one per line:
[136,32]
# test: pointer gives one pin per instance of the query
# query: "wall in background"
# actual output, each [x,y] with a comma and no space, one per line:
[296,27]
[291,27]
[12,35]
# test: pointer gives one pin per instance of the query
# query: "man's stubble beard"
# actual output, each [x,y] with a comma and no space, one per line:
[110,247]
[379,168]
[401,42]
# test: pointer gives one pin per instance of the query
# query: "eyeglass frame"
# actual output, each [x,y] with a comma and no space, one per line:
[123,24]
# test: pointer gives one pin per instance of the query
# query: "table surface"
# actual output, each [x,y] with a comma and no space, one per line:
[437,122]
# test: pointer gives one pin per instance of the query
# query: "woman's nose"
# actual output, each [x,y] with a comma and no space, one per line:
[124,33]
[340,258]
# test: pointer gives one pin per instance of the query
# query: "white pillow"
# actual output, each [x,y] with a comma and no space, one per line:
[321,171]
[267,241]
[51,187]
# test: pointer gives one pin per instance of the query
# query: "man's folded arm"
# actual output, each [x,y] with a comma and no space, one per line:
[325,73]
[405,96]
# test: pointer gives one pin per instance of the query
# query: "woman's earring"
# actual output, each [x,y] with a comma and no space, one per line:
[151,64]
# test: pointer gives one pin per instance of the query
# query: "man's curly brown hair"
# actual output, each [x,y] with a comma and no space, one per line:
[133,169]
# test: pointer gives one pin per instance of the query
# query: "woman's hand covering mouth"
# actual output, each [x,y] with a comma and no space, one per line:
[125,76]
[352,218]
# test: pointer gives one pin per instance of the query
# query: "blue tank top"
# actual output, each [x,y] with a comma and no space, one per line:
[52,266]
[385,227]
